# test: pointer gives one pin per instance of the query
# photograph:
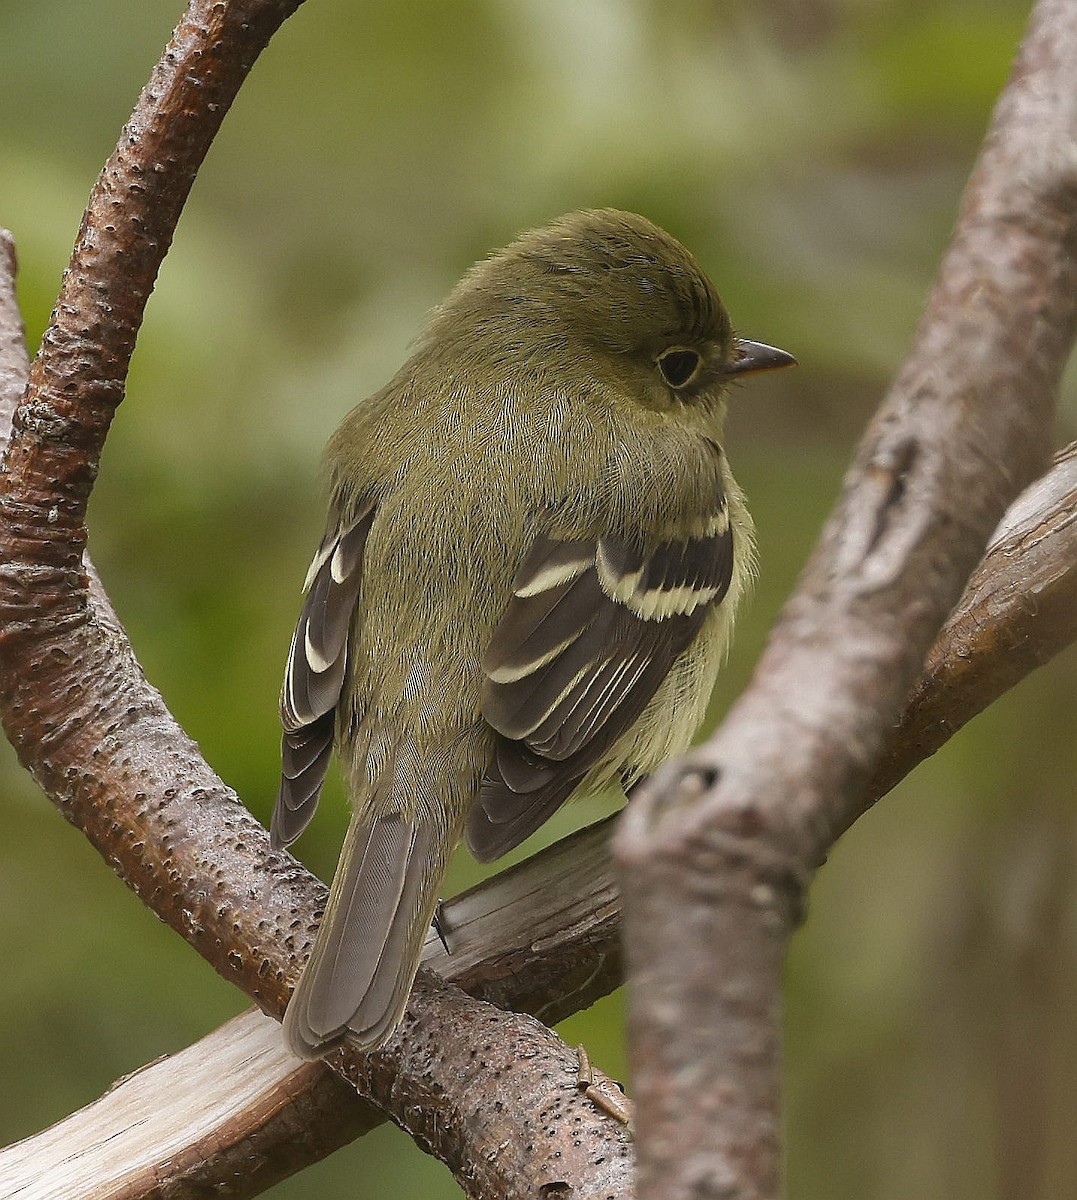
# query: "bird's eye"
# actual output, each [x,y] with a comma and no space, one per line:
[679,367]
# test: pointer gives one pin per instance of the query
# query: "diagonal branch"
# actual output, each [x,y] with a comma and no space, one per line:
[542,937]
[532,938]
[1018,611]
[716,853]
[101,743]
[132,705]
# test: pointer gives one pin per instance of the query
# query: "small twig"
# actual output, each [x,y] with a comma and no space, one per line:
[605,1093]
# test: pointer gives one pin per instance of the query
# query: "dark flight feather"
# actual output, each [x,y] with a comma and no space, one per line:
[314,675]
[591,632]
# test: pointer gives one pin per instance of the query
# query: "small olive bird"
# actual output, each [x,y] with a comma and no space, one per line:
[534,553]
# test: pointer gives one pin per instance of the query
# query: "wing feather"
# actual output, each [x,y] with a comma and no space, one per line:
[592,630]
[314,675]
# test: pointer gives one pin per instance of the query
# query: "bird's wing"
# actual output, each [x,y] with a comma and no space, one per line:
[314,676]
[592,629]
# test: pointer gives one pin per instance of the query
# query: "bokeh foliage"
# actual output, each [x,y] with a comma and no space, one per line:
[812,153]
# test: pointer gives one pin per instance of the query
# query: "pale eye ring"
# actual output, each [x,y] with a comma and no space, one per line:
[679,366]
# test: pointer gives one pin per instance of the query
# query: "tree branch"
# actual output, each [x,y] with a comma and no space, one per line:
[14,361]
[590,944]
[715,854]
[236,1113]
[215,1105]
[542,936]
[1018,611]
[101,743]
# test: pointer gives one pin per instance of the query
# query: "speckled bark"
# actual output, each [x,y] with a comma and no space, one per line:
[76,707]
[108,750]
[543,936]
[99,739]
[469,1064]
[715,855]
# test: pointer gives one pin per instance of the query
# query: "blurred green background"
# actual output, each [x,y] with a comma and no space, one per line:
[811,153]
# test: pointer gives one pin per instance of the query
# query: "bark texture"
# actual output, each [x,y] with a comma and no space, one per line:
[716,853]
[100,741]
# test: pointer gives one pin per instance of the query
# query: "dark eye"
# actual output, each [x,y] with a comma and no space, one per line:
[678,367]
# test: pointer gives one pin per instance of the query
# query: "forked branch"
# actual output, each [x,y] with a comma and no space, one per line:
[716,854]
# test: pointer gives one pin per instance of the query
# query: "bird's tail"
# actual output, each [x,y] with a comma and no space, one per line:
[384,893]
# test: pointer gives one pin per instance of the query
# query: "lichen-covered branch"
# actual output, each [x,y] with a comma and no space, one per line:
[715,855]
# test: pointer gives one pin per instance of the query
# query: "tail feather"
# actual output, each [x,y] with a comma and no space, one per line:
[385,998]
[356,984]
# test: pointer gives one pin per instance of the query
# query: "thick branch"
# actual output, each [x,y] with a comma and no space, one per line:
[716,853]
[543,936]
[1019,610]
[540,937]
[58,762]
[102,744]
[235,1113]
[220,1101]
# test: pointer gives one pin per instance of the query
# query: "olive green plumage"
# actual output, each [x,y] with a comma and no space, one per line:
[534,554]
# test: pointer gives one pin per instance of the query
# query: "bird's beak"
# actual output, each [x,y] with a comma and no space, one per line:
[756,356]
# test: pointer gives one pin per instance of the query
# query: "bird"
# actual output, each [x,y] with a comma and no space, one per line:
[534,554]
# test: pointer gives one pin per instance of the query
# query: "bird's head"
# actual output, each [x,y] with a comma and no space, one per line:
[610,289]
